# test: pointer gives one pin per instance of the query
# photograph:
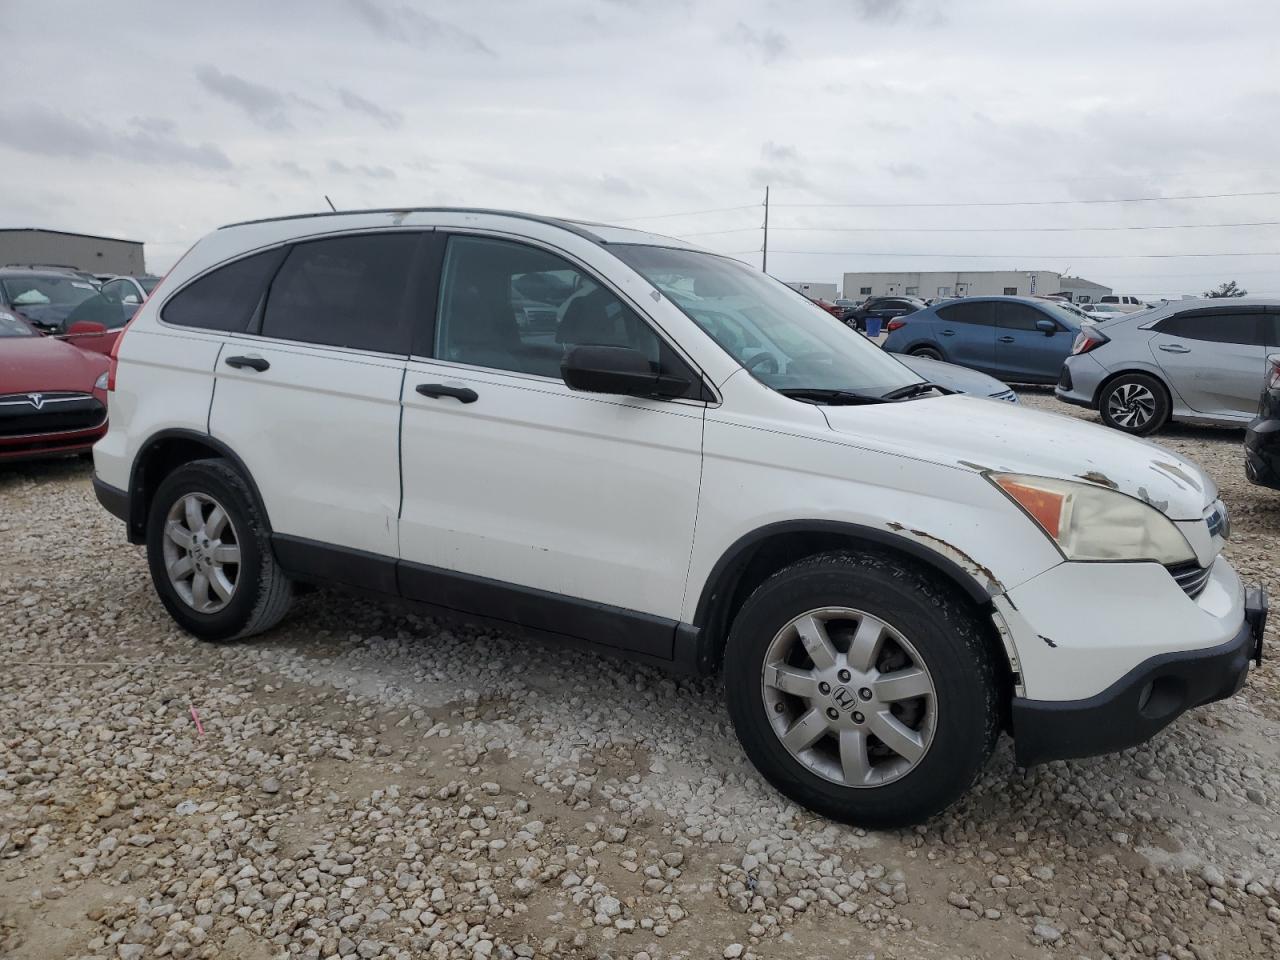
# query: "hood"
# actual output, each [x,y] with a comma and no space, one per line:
[43,364]
[953,376]
[978,435]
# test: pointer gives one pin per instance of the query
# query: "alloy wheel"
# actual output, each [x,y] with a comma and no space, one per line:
[849,697]
[201,552]
[1131,405]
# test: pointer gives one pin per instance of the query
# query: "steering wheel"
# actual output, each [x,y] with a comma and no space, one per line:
[762,360]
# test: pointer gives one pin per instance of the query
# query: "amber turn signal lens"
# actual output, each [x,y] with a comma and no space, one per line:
[1045,506]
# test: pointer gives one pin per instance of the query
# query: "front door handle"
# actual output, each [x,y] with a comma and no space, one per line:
[253,363]
[465,394]
[1174,348]
[948,333]
[1006,339]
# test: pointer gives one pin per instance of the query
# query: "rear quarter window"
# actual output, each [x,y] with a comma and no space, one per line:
[225,298]
[1245,328]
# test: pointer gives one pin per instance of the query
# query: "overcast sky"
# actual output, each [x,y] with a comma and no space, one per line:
[160,121]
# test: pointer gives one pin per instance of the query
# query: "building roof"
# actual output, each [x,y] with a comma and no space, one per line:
[67,233]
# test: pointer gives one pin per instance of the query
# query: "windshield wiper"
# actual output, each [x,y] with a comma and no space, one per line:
[830,396]
[912,390]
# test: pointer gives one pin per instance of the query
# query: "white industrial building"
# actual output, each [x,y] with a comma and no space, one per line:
[816,291]
[952,283]
[1083,291]
[27,246]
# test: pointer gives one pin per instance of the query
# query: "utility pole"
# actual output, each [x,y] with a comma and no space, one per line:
[764,260]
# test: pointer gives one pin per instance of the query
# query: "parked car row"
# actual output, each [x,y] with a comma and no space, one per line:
[54,299]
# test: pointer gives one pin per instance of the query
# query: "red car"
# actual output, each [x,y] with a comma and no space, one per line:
[831,308]
[53,393]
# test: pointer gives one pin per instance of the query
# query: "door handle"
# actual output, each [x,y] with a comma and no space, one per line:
[465,394]
[948,333]
[253,363]
[1174,348]
[1006,339]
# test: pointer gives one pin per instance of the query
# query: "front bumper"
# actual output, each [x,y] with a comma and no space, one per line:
[38,446]
[1142,702]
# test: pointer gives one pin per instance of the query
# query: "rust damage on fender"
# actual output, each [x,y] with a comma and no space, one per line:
[1093,476]
[955,554]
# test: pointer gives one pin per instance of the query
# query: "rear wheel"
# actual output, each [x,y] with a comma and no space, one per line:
[209,550]
[862,688]
[929,353]
[1136,403]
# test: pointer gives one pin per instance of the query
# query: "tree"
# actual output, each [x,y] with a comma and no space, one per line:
[1228,289]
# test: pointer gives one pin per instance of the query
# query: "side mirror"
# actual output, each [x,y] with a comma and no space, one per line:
[85,328]
[617,370]
[1047,327]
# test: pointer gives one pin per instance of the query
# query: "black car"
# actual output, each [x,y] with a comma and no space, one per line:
[1262,438]
[886,308]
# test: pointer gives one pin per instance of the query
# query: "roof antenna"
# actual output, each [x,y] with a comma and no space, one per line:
[330,203]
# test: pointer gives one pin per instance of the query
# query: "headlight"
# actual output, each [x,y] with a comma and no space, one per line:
[1088,522]
[101,382]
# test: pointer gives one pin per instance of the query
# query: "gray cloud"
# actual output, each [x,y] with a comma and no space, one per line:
[404,24]
[266,107]
[371,171]
[148,140]
[880,9]
[293,169]
[781,166]
[391,119]
[768,43]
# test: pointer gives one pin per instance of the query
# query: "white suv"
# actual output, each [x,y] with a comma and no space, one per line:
[616,439]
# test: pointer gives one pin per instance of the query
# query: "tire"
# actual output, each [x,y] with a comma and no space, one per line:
[1136,403]
[956,723]
[259,593]
[929,353]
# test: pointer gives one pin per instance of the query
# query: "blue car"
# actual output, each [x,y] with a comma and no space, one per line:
[1018,339]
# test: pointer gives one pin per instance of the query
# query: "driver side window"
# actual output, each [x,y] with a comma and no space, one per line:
[510,306]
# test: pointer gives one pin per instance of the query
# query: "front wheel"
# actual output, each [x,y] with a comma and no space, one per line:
[1136,403]
[929,353]
[209,550]
[862,689]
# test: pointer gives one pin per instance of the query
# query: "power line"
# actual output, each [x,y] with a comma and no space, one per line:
[1042,203]
[689,213]
[1023,255]
[1169,226]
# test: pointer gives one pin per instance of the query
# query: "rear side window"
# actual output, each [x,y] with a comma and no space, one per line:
[226,298]
[1215,327]
[344,292]
[978,314]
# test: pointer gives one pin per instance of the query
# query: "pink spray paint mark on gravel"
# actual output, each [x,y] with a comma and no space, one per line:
[196,717]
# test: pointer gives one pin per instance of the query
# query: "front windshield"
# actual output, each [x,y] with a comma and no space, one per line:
[782,339]
[46,290]
[11,326]
[149,283]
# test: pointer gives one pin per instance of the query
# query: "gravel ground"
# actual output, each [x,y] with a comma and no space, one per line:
[371,783]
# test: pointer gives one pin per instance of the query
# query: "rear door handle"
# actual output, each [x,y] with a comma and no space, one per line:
[1174,348]
[253,363]
[1006,339]
[948,333]
[465,394]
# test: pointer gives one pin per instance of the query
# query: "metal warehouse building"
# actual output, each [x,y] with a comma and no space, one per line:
[964,283]
[32,245]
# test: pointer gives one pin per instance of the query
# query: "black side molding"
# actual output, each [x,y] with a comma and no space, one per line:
[545,615]
[113,499]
